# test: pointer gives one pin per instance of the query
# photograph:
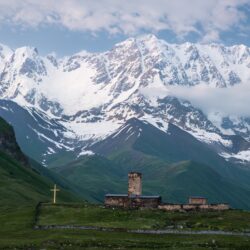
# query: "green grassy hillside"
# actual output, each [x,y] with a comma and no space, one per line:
[23,181]
[179,181]
[22,185]
[94,176]
[139,144]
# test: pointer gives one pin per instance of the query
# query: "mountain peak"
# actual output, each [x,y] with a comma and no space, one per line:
[5,51]
[148,37]
[98,92]
[27,51]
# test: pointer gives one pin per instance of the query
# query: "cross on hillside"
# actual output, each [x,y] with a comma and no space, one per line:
[54,190]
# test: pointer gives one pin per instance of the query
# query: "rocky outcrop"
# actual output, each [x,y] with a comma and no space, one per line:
[8,143]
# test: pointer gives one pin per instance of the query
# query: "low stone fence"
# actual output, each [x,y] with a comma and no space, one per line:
[192,207]
[170,207]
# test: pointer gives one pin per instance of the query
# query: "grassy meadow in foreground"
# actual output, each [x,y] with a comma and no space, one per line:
[92,215]
[16,231]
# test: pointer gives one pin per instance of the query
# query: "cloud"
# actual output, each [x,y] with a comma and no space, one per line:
[228,101]
[130,17]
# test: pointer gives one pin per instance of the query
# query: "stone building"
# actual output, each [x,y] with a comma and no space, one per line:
[134,198]
[197,201]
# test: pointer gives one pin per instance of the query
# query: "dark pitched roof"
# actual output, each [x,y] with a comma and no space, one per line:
[116,195]
[134,196]
[197,197]
[138,173]
[150,196]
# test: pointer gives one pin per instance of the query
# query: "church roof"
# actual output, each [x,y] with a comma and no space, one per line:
[134,196]
[116,195]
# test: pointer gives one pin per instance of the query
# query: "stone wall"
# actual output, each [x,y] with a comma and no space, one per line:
[216,207]
[192,207]
[116,201]
[132,202]
[189,207]
[145,202]
[170,207]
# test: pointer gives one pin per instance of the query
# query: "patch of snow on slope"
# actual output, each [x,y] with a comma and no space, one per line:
[242,156]
[50,151]
[209,137]
[129,135]
[86,152]
[90,130]
[58,145]
[156,122]
[120,130]
[74,89]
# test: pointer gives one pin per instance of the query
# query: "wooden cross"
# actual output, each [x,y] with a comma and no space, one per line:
[54,190]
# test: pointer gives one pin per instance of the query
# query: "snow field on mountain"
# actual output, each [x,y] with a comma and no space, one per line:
[93,94]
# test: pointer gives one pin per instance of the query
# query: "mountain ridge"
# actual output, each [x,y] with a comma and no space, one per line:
[90,95]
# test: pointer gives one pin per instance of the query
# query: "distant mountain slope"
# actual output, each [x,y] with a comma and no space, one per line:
[19,181]
[34,127]
[137,140]
[75,101]
[139,146]
[189,178]
[95,176]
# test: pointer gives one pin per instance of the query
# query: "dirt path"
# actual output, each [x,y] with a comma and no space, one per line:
[140,231]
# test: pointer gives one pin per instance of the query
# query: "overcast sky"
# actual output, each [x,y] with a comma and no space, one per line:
[67,26]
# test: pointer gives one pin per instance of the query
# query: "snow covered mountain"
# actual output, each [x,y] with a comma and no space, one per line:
[84,98]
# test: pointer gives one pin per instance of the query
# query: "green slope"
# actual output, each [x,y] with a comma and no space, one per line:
[94,176]
[139,143]
[184,179]
[174,165]
[60,180]
[21,183]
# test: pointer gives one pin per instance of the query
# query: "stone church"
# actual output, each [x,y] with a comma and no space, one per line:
[134,198]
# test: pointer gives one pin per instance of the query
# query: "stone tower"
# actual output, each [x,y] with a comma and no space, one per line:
[134,184]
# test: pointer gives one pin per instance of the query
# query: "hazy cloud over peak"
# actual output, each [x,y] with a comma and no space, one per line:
[228,101]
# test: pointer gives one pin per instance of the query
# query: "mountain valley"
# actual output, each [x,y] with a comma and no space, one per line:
[92,117]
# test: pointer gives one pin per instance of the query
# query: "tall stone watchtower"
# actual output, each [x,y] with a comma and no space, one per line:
[134,184]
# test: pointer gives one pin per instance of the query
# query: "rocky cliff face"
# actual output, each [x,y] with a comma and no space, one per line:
[8,143]
[90,95]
